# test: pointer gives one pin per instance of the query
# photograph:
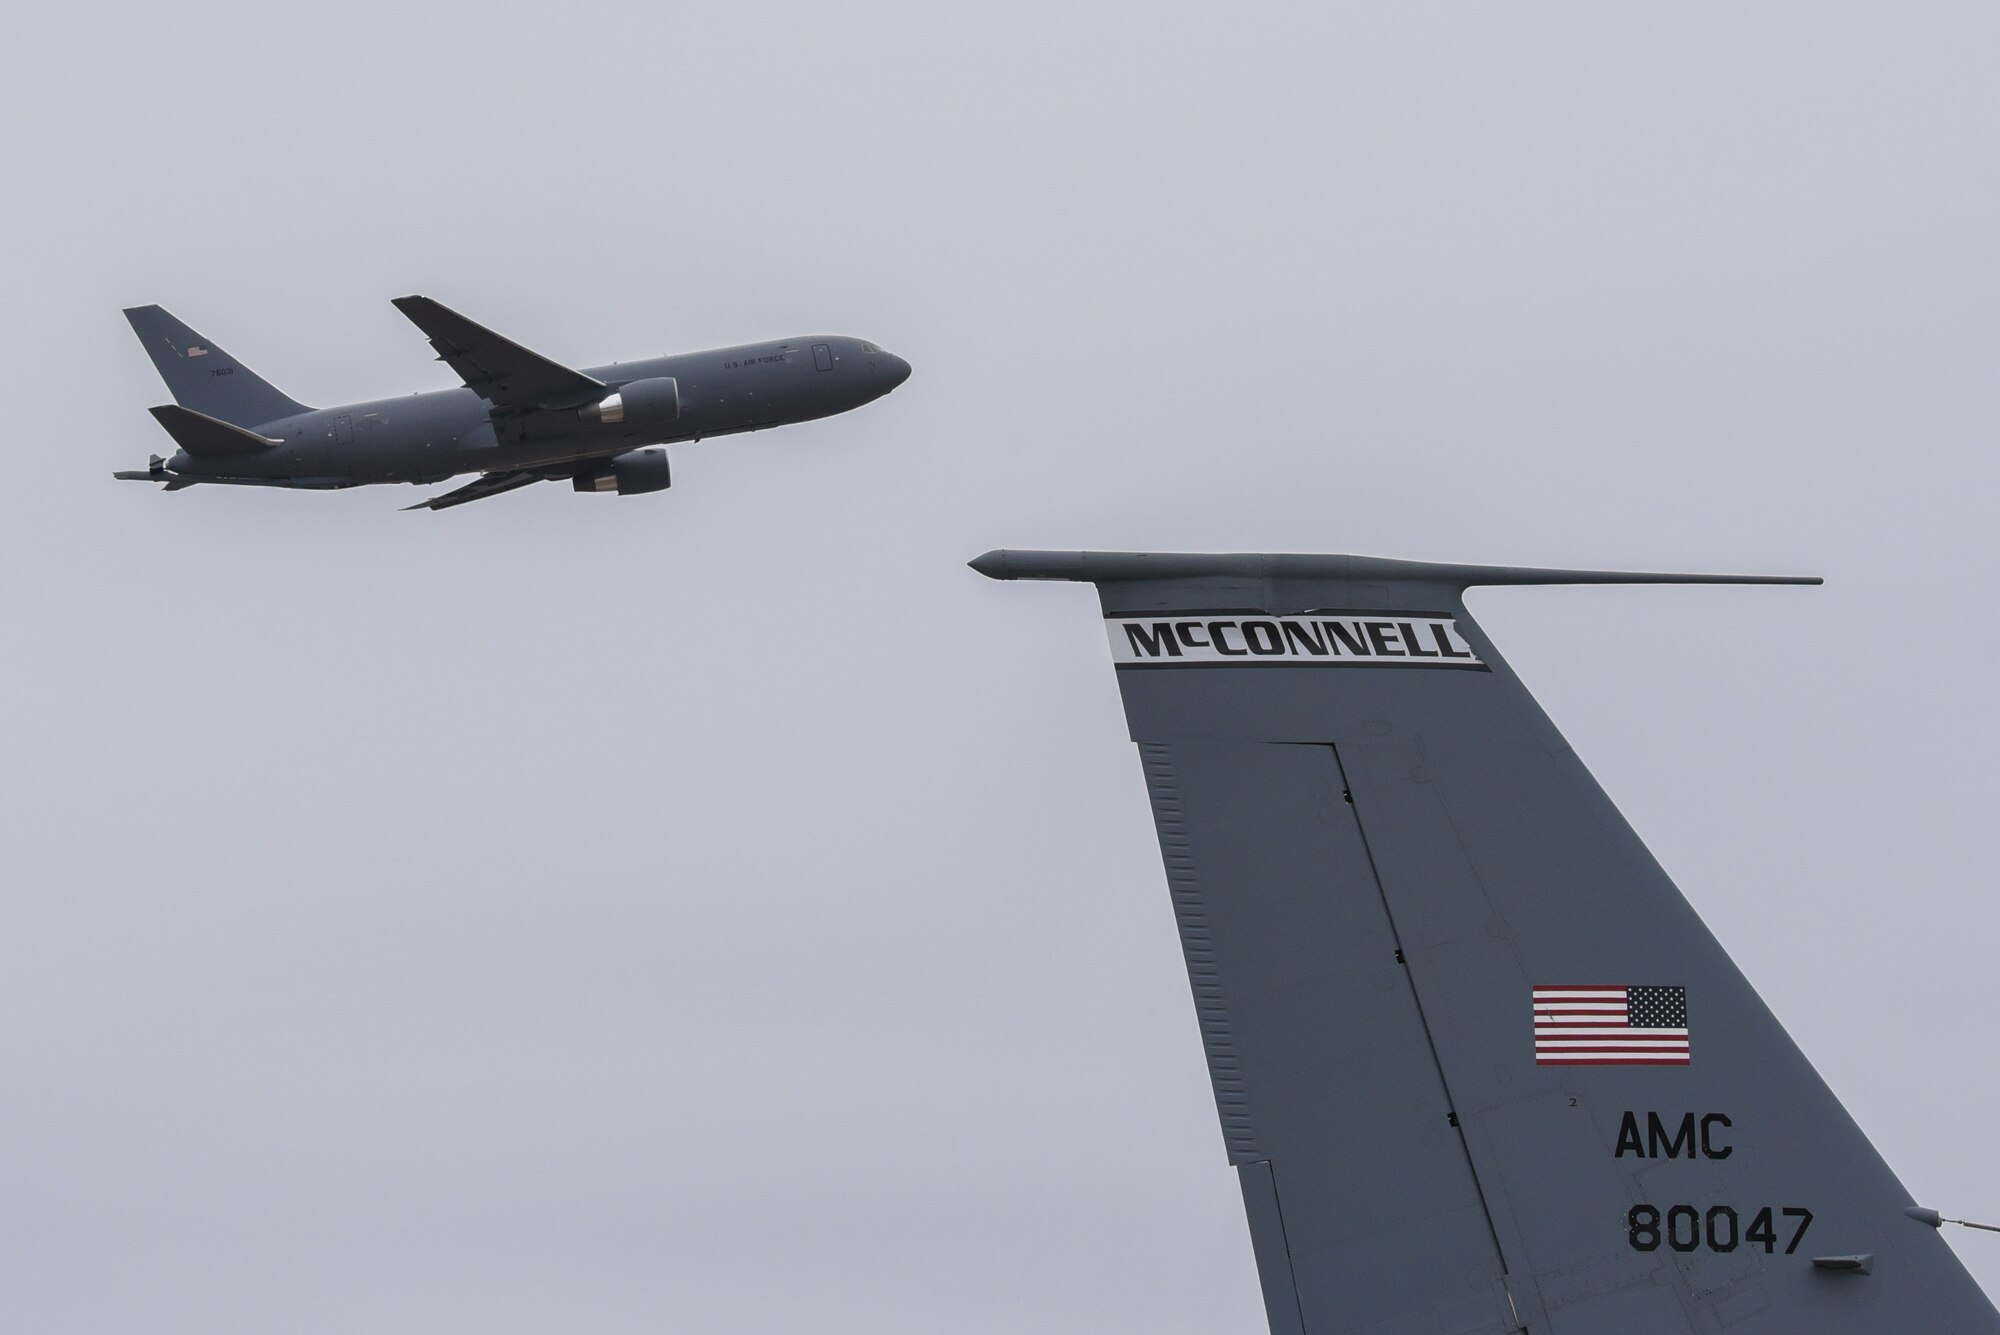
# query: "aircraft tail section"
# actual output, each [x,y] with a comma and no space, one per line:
[1478,1063]
[205,378]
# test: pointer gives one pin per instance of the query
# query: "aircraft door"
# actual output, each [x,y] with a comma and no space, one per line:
[822,357]
[343,430]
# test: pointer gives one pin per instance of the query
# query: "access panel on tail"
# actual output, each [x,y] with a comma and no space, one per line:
[1479,1065]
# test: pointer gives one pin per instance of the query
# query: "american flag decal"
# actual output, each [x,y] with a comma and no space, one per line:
[1611,1026]
[195,350]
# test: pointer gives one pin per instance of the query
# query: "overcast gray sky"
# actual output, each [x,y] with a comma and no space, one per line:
[722,910]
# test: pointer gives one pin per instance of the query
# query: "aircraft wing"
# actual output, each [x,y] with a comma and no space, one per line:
[486,484]
[499,370]
[1479,1065]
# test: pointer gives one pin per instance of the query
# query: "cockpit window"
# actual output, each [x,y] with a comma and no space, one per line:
[871,349]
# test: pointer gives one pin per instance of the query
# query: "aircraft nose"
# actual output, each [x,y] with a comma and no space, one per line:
[899,370]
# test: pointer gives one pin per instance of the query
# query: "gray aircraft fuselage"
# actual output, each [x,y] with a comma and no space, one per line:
[432,436]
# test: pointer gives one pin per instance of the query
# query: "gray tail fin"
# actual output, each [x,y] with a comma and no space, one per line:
[202,376]
[1478,1063]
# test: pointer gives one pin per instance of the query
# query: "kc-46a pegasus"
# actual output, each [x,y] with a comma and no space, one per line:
[520,418]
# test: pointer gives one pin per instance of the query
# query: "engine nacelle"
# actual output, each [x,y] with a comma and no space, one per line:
[640,405]
[633,473]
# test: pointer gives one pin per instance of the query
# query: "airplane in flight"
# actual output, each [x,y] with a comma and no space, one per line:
[520,418]
[1479,1066]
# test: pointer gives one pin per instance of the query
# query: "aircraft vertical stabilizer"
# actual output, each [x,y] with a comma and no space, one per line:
[1479,1065]
[203,377]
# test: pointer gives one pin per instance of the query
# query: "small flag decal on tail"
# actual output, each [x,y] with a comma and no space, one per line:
[196,350]
[1611,1026]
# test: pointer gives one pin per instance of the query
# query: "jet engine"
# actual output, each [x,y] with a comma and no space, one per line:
[638,405]
[633,473]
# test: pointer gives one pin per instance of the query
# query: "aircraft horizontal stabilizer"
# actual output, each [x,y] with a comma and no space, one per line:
[155,471]
[198,433]
[1100,567]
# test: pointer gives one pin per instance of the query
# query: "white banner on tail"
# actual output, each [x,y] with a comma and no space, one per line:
[1312,639]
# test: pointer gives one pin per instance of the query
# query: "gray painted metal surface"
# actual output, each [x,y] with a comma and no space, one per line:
[1392,880]
[520,419]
